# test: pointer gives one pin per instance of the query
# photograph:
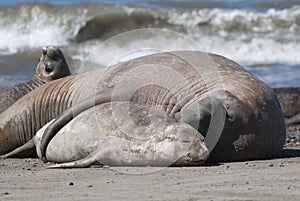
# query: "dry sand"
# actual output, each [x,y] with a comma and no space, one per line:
[276,179]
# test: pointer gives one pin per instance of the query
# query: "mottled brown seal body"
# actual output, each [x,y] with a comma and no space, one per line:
[52,65]
[185,84]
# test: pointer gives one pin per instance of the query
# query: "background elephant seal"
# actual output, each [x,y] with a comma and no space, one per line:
[109,134]
[52,65]
[289,98]
[184,83]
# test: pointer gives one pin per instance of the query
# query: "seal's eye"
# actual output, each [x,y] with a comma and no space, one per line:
[48,68]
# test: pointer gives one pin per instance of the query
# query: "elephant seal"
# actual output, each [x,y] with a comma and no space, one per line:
[105,135]
[52,65]
[289,98]
[183,83]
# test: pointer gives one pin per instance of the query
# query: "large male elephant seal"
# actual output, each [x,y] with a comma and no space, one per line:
[185,83]
[52,65]
[104,134]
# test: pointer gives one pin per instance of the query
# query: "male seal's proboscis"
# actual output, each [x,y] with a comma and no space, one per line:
[183,83]
[52,65]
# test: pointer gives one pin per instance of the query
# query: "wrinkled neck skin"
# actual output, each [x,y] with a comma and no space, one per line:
[38,81]
[24,88]
[27,87]
[9,95]
[18,124]
[17,91]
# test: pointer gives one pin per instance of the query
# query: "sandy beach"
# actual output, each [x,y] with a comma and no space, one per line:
[262,35]
[276,179]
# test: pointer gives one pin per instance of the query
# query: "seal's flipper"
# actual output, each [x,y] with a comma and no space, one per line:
[93,158]
[85,162]
[109,153]
[25,150]
[293,120]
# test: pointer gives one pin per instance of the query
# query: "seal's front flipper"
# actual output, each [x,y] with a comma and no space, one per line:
[92,158]
[23,151]
[109,153]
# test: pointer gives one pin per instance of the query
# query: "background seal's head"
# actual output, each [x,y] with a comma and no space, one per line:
[52,64]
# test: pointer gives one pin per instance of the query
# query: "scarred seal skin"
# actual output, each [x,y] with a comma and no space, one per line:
[52,65]
[186,84]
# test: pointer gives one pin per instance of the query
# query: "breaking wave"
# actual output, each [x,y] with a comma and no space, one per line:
[31,26]
[247,36]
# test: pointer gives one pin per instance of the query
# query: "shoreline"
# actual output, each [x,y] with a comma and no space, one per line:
[273,179]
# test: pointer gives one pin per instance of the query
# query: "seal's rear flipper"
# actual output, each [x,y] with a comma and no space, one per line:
[23,151]
[82,163]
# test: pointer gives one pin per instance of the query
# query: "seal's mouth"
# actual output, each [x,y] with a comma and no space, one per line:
[192,159]
[196,158]
[49,68]
[185,161]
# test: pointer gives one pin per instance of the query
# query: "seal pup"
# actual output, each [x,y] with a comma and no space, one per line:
[122,134]
[52,65]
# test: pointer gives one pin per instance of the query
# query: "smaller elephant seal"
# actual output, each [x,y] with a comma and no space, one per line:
[52,65]
[289,99]
[108,135]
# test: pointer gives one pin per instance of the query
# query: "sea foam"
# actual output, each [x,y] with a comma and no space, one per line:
[247,36]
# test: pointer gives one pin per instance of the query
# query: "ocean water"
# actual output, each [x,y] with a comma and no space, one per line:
[262,35]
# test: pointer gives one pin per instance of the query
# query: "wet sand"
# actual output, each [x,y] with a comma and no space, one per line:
[276,179]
